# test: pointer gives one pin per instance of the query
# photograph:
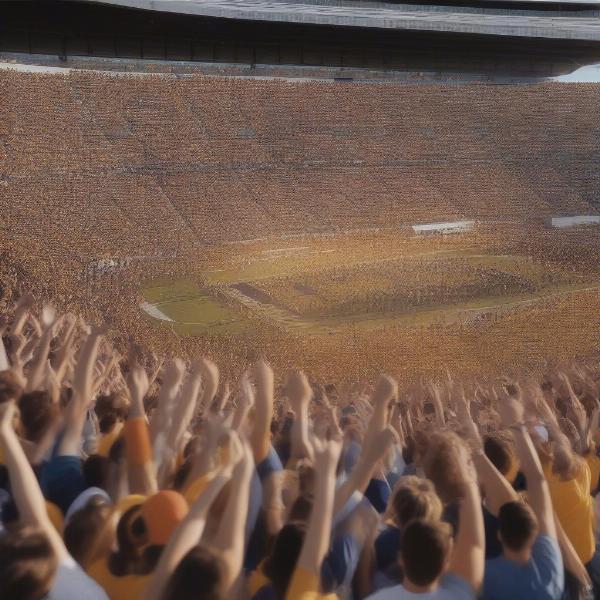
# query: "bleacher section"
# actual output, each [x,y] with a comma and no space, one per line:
[140,165]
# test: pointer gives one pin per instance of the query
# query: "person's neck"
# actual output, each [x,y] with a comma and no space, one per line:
[519,556]
[409,586]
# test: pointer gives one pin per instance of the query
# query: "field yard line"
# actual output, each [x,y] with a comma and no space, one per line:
[155,312]
[531,300]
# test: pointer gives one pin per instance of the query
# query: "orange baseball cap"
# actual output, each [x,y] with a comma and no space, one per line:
[162,512]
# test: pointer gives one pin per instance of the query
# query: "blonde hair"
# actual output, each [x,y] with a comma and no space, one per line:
[414,498]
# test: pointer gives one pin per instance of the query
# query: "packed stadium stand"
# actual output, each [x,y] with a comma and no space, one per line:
[133,165]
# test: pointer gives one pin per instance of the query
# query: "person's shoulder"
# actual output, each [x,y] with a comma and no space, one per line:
[455,587]
[390,593]
[544,545]
[72,582]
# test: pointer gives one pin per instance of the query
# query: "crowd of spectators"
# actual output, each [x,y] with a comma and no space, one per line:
[133,165]
[128,475]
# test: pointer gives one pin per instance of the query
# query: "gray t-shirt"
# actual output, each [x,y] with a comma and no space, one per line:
[72,583]
[451,587]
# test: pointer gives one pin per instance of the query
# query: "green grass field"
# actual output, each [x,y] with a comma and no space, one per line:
[336,287]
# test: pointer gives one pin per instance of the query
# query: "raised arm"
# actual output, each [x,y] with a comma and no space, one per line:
[386,390]
[82,396]
[318,533]
[263,412]
[25,489]
[37,370]
[511,413]
[173,374]
[210,375]
[231,537]
[468,555]
[497,489]
[300,394]
[185,537]
[361,474]
[138,448]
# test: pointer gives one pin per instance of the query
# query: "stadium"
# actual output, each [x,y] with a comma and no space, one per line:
[299,300]
[340,216]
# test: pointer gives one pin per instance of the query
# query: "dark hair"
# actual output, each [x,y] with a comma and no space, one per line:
[280,564]
[83,528]
[95,471]
[518,525]
[37,412]
[132,557]
[27,564]
[199,576]
[499,451]
[10,387]
[110,409]
[301,509]
[425,547]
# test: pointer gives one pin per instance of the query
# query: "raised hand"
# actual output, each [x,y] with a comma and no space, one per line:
[7,416]
[137,382]
[298,390]
[510,410]
[327,454]
[386,389]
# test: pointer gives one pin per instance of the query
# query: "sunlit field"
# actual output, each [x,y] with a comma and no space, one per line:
[360,289]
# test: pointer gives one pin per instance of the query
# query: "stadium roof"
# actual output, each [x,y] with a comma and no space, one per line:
[473,20]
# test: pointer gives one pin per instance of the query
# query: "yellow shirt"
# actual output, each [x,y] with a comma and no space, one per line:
[593,462]
[128,587]
[574,507]
[256,581]
[108,439]
[305,586]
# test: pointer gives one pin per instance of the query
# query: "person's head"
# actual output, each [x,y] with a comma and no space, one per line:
[143,530]
[441,466]
[37,413]
[300,509]
[565,463]
[96,470]
[280,564]
[518,528]
[110,409]
[415,498]
[10,386]
[27,564]
[499,449]
[84,529]
[425,552]
[199,576]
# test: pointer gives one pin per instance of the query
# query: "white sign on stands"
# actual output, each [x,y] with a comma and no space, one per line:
[562,222]
[450,227]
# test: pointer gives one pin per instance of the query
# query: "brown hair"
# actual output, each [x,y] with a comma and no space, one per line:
[199,576]
[425,549]
[84,528]
[440,466]
[133,557]
[110,409]
[10,387]
[415,498]
[518,525]
[37,412]
[27,564]
[498,447]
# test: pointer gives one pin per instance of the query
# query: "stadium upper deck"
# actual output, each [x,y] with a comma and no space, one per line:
[499,39]
[478,20]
